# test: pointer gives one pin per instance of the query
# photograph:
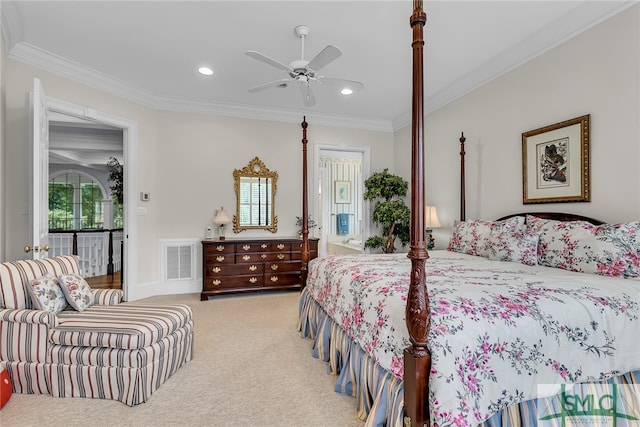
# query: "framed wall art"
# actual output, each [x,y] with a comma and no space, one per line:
[555,163]
[342,192]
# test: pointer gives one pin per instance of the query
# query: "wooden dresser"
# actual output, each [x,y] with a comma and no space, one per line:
[252,265]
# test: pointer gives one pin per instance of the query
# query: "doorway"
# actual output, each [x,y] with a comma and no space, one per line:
[81,114]
[338,207]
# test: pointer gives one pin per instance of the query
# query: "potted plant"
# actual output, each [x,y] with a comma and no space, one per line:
[310,224]
[116,176]
[390,212]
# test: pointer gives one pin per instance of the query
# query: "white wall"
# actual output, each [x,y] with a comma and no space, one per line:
[185,162]
[597,73]
[3,59]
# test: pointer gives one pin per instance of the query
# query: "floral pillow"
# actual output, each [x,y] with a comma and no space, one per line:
[514,247]
[609,249]
[472,237]
[46,294]
[76,290]
[618,252]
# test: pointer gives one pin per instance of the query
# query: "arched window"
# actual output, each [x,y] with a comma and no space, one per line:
[76,201]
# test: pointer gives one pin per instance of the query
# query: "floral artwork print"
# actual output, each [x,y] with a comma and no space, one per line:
[498,329]
[553,162]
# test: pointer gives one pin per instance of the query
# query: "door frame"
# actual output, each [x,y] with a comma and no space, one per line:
[365,151]
[130,151]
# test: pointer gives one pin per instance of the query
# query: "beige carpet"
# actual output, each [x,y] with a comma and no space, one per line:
[251,368]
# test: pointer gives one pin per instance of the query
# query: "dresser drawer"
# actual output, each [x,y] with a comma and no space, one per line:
[282,267]
[242,248]
[215,283]
[298,255]
[222,258]
[219,269]
[282,279]
[262,257]
[219,248]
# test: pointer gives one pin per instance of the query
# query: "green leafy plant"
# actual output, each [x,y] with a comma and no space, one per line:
[390,211]
[310,223]
[116,173]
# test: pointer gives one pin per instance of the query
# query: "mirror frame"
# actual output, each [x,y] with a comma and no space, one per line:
[255,169]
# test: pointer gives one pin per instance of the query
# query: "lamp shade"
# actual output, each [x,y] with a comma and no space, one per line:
[221,217]
[431,217]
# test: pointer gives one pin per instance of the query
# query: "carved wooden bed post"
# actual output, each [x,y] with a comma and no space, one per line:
[463,208]
[305,215]
[417,359]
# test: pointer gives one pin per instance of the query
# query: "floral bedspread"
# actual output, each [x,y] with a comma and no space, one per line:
[498,329]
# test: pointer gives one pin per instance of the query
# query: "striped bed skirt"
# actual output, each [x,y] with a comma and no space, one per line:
[380,395]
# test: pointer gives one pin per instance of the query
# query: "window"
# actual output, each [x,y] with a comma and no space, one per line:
[76,202]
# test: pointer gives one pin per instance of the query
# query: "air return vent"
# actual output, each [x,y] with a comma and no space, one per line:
[178,258]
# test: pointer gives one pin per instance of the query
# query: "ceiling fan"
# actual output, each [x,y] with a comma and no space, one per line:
[304,72]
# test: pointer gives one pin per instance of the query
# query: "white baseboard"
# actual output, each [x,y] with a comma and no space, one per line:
[146,290]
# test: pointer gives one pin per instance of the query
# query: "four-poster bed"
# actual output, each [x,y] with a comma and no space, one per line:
[394,333]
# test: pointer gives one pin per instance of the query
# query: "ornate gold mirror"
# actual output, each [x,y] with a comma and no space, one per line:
[255,187]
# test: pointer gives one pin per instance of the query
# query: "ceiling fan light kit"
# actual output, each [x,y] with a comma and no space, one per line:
[305,72]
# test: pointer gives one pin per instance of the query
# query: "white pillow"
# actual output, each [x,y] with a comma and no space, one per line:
[46,294]
[514,247]
[472,237]
[76,290]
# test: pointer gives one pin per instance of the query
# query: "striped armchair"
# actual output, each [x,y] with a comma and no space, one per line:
[111,350]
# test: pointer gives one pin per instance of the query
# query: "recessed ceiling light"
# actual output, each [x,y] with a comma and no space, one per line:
[346,91]
[205,71]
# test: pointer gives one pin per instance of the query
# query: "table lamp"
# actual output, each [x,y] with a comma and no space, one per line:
[221,220]
[431,222]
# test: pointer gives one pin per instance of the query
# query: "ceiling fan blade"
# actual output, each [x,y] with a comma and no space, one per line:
[270,84]
[351,84]
[263,58]
[327,55]
[307,94]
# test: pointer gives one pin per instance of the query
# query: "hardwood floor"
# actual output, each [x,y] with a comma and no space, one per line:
[105,282]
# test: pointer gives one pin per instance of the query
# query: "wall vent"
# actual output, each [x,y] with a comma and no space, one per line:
[178,258]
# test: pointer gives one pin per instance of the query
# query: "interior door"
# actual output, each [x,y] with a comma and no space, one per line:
[39,174]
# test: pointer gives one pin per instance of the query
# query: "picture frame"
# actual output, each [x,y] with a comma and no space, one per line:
[556,163]
[342,192]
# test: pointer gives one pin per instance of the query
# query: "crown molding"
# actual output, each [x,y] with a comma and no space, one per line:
[39,58]
[584,17]
[10,24]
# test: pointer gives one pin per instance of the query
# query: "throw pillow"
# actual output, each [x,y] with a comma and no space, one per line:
[514,247]
[472,237]
[46,294]
[608,249]
[76,290]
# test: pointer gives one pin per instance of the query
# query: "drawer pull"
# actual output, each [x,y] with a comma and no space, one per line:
[220,248]
[216,269]
[280,256]
[216,282]
[246,257]
[263,246]
[253,268]
[246,247]
[253,280]
[274,278]
[274,267]
[263,256]
[280,246]
[220,258]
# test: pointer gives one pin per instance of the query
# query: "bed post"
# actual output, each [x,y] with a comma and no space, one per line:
[305,208]
[417,359]
[463,208]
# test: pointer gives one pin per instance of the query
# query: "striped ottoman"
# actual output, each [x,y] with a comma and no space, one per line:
[122,352]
